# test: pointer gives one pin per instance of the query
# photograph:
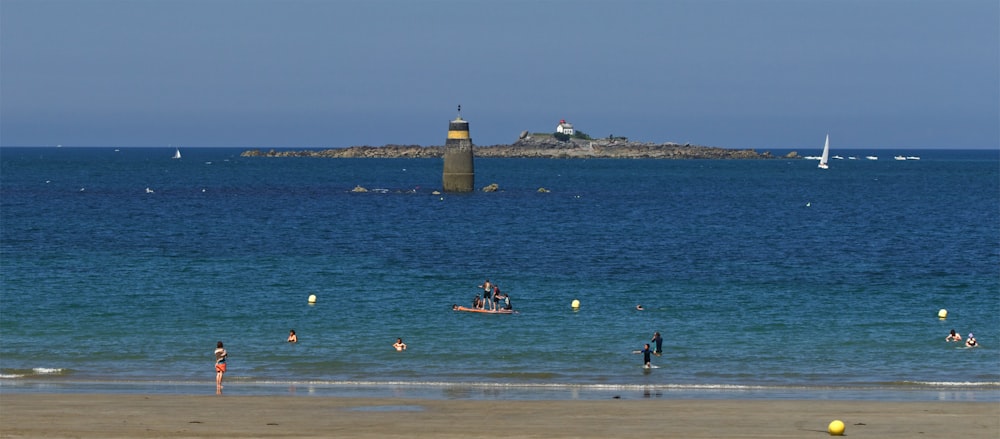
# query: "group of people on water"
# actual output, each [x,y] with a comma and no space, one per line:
[970,341]
[491,298]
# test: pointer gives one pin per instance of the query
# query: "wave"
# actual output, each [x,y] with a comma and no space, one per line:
[951,384]
[33,372]
[927,385]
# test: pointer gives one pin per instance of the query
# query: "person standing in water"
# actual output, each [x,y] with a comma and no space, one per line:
[658,341]
[399,345]
[645,356]
[220,365]
[292,338]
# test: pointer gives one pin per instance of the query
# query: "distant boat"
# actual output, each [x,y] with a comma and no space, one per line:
[899,157]
[912,157]
[177,153]
[826,154]
[871,157]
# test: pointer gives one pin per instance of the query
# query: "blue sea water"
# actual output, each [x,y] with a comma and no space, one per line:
[769,279]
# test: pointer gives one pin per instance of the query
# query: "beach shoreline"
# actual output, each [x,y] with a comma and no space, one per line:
[103,415]
[236,386]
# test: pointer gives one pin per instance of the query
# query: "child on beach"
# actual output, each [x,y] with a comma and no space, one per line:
[220,365]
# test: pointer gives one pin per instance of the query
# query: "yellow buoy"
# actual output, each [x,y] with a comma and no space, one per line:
[943,314]
[575,304]
[836,428]
[312,298]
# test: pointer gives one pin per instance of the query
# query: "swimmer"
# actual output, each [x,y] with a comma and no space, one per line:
[953,336]
[639,308]
[971,342]
[292,338]
[399,345]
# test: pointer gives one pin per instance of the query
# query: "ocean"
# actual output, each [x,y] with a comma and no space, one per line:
[122,268]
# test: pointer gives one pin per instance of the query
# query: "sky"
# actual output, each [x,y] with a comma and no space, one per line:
[756,74]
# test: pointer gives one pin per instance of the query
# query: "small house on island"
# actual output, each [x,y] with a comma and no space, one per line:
[565,128]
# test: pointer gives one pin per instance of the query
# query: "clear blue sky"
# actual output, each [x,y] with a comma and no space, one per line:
[315,74]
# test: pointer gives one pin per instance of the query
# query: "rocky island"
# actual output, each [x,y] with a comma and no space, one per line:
[537,146]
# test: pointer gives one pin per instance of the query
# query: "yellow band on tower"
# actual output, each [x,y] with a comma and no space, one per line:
[458,134]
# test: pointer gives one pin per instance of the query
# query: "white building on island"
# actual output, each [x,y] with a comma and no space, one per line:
[565,128]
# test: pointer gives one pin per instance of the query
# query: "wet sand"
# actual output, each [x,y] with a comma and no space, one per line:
[181,416]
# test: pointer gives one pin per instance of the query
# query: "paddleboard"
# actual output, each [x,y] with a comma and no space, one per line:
[485,311]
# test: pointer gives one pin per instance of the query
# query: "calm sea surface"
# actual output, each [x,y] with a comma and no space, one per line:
[767,279]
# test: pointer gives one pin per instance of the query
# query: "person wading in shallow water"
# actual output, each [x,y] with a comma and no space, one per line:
[645,356]
[658,341]
[220,366]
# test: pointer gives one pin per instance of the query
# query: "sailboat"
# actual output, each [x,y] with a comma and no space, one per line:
[826,154]
[177,153]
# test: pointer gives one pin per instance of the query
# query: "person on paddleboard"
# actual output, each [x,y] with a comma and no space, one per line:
[496,297]
[487,290]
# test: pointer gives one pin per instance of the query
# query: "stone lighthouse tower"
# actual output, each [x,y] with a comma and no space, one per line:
[459,174]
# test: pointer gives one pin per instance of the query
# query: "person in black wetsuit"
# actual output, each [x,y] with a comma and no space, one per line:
[659,343]
[645,356]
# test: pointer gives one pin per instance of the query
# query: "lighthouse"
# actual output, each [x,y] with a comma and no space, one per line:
[459,174]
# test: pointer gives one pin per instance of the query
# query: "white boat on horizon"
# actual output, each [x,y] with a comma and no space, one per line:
[899,158]
[871,157]
[177,153]
[826,154]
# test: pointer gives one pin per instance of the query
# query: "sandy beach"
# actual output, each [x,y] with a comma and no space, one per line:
[181,416]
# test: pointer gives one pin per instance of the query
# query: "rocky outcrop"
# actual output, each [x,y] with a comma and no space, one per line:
[536,147]
[366,152]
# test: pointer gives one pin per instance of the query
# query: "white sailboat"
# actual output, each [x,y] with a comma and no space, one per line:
[177,153]
[826,154]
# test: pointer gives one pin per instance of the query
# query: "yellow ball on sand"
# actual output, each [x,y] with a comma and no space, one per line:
[312,298]
[943,314]
[836,428]
[575,304]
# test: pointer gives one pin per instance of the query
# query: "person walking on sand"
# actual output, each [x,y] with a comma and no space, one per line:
[220,365]
[658,341]
[399,345]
